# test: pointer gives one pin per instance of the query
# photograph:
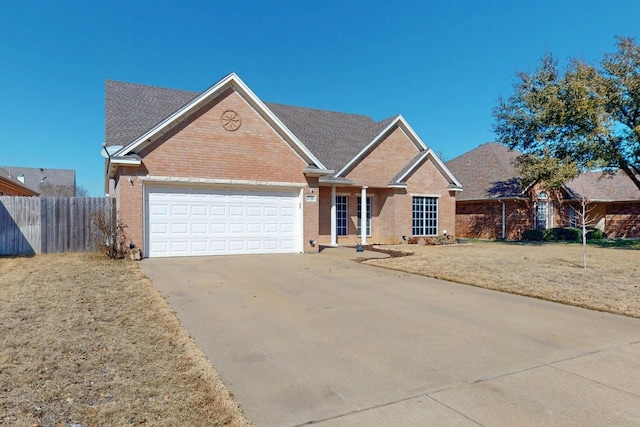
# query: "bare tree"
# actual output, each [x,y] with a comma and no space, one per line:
[584,217]
[48,189]
[81,191]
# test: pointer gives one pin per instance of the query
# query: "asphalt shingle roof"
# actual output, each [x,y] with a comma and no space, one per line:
[133,109]
[604,187]
[487,172]
[334,138]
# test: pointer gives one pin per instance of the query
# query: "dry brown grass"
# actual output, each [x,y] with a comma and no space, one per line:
[548,271]
[89,341]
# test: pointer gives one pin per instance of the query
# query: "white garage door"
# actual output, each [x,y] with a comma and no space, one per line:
[186,222]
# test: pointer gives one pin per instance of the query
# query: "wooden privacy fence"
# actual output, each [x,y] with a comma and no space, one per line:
[45,225]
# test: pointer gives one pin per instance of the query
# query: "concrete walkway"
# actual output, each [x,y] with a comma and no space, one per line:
[322,340]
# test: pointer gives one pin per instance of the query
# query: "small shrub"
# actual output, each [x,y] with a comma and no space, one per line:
[108,236]
[533,235]
[595,234]
[565,233]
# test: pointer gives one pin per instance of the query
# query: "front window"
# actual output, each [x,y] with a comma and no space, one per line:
[573,217]
[341,215]
[368,215]
[425,216]
[543,210]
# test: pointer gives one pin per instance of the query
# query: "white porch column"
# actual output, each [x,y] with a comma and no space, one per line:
[363,215]
[334,222]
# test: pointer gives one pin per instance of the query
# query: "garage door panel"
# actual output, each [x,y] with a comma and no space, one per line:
[287,245]
[186,222]
[254,211]
[159,228]
[199,247]
[254,228]
[218,228]
[271,227]
[197,228]
[199,210]
[218,210]
[219,247]
[236,228]
[179,228]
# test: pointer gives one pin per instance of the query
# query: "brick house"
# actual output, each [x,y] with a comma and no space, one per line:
[222,172]
[494,206]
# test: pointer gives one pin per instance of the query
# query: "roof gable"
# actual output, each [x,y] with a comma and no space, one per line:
[390,125]
[414,164]
[230,81]
[335,138]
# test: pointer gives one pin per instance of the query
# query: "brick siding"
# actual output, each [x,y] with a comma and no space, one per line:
[201,148]
[391,209]
[623,220]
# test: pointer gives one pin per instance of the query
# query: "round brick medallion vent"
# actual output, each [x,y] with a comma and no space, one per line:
[230,120]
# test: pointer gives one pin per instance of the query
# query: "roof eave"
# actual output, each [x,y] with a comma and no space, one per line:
[315,172]
[335,181]
[19,187]
[116,162]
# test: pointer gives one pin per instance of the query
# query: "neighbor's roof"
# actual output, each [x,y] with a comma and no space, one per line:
[12,181]
[599,187]
[487,172]
[33,177]
[334,138]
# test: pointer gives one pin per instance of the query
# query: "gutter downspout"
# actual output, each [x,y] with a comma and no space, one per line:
[504,219]
[334,222]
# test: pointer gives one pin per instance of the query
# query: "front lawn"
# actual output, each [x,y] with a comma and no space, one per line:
[550,271]
[89,341]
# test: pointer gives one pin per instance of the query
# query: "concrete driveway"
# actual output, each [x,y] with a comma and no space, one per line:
[319,339]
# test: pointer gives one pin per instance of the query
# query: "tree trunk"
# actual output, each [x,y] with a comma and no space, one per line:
[584,234]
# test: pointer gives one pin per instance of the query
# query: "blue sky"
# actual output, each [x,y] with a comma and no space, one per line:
[441,64]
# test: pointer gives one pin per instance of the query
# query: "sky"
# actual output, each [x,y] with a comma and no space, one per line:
[441,64]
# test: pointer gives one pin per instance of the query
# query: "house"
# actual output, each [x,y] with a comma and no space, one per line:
[44,182]
[222,172]
[12,185]
[494,206]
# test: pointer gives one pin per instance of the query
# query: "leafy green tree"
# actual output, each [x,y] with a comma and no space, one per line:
[551,172]
[586,114]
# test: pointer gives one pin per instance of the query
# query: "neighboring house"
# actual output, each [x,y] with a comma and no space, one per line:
[222,172]
[494,206]
[11,185]
[45,182]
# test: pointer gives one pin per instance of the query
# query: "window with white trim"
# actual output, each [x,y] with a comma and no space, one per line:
[342,214]
[425,216]
[368,215]
[573,217]
[543,211]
